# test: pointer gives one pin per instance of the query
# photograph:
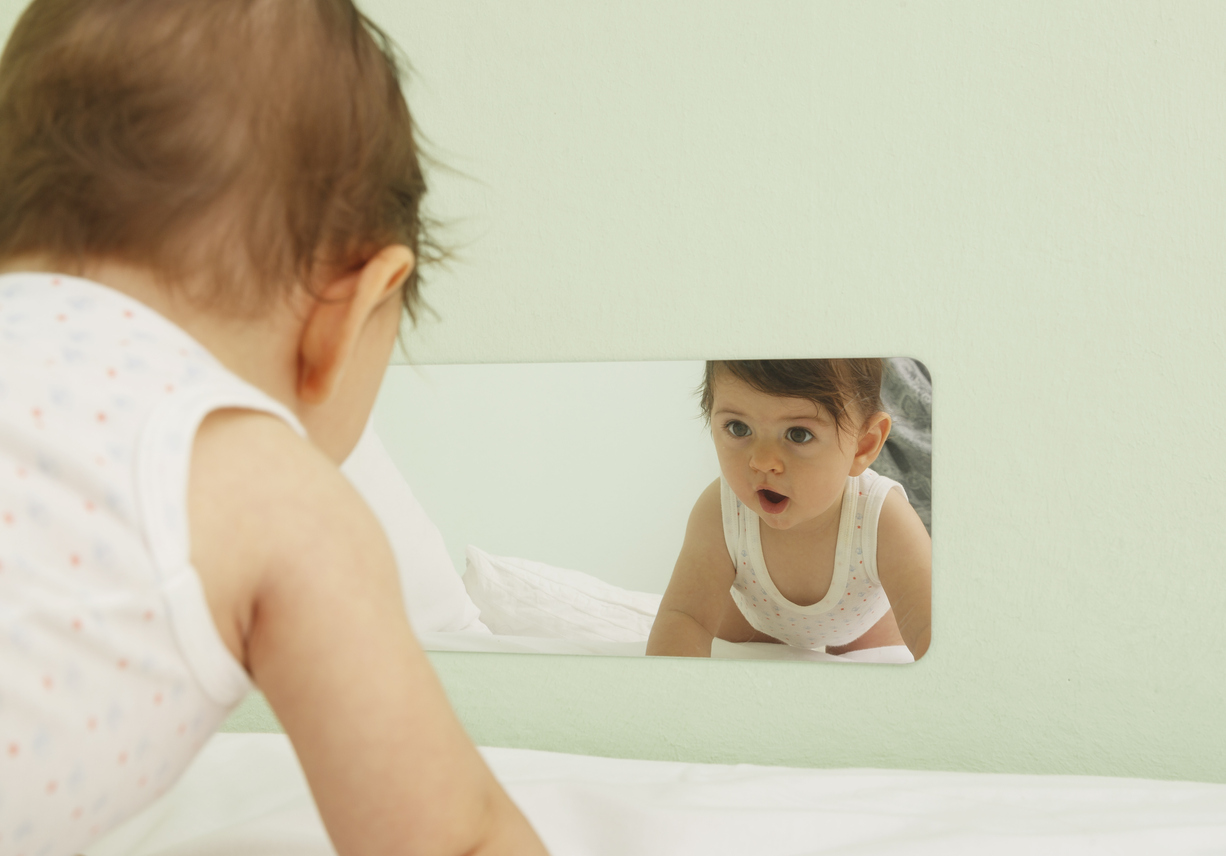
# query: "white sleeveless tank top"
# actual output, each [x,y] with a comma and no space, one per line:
[112,672]
[855,600]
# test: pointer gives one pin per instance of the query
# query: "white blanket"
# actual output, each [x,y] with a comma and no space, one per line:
[720,650]
[245,795]
[535,608]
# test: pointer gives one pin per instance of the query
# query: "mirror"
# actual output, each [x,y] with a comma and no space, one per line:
[562,491]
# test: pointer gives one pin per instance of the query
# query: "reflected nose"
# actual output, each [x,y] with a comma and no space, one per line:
[764,457]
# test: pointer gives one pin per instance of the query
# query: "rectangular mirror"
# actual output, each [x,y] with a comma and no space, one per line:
[562,492]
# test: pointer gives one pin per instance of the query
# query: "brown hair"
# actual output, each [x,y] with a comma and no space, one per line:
[833,385]
[236,148]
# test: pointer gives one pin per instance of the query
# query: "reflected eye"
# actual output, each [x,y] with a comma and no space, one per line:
[737,428]
[799,435]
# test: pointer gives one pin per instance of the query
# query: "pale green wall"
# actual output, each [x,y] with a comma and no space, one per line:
[1026,196]
[1029,197]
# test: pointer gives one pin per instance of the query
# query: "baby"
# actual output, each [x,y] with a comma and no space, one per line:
[209,227]
[849,559]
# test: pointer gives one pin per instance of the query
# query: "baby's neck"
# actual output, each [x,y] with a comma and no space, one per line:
[821,527]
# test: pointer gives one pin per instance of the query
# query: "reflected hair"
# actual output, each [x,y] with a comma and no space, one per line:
[235,148]
[835,386]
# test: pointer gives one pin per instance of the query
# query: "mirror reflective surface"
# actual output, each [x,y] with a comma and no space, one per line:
[562,493]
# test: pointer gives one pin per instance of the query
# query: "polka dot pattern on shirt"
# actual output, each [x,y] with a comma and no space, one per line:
[99,709]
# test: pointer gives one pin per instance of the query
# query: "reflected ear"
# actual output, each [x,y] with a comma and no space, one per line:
[872,437]
[337,316]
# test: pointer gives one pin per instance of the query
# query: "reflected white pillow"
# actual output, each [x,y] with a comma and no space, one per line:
[434,597]
[519,597]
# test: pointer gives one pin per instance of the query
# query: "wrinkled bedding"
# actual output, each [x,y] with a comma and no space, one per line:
[529,607]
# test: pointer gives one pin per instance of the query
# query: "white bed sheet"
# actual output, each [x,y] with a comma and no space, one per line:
[720,650]
[245,795]
[498,643]
[534,608]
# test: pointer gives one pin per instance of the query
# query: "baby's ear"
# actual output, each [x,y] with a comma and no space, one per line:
[337,315]
[873,435]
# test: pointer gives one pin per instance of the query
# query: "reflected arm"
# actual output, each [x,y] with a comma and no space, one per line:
[697,595]
[904,566]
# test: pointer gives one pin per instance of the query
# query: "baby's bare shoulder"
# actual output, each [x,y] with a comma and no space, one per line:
[904,566]
[263,503]
[899,528]
[259,474]
[703,546]
[707,507]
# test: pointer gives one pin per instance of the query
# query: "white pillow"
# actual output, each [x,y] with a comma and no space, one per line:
[434,596]
[518,597]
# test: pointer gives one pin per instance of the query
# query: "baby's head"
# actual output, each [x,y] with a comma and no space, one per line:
[848,391]
[238,149]
[788,433]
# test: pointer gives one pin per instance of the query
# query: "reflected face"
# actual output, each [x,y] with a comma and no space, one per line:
[783,457]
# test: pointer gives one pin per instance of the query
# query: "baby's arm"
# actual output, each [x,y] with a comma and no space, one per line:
[697,596]
[297,567]
[904,566]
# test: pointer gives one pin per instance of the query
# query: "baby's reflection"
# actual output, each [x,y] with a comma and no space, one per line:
[849,558]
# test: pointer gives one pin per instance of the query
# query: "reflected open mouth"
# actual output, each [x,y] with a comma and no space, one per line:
[772,502]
